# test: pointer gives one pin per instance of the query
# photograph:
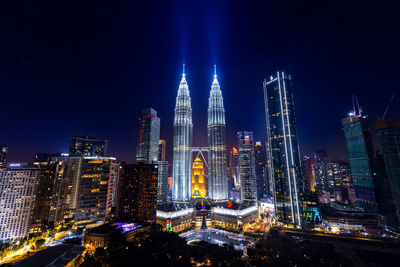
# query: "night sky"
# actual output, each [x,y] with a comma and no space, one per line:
[90,67]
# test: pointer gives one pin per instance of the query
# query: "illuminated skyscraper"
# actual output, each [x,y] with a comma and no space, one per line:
[18,185]
[247,170]
[234,166]
[183,135]
[357,130]
[148,136]
[93,196]
[217,173]
[283,147]
[137,196]
[162,149]
[198,180]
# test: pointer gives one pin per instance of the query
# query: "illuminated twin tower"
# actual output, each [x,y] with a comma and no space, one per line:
[183,137]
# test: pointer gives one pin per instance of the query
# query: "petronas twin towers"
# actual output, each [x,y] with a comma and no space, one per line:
[183,137]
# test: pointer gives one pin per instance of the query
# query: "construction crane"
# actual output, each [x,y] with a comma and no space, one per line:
[387,107]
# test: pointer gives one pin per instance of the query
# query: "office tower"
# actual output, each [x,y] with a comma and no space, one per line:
[162,150]
[217,176]
[95,175]
[183,135]
[307,174]
[357,130]
[283,148]
[323,172]
[198,179]
[261,169]
[162,183]
[234,166]
[44,194]
[18,190]
[137,197]
[65,189]
[87,146]
[3,155]
[148,137]
[247,170]
[388,132]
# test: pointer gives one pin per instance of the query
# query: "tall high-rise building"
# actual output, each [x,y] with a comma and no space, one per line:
[65,189]
[44,194]
[183,135]
[137,197]
[148,137]
[261,169]
[247,170]
[198,179]
[3,155]
[357,131]
[95,176]
[87,146]
[162,183]
[283,147]
[18,191]
[217,172]
[234,166]
[307,174]
[162,150]
[388,132]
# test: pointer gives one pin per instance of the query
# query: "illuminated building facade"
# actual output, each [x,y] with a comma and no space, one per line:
[198,180]
[44,194]
[247,170]
[18,191]
[3,155]
[283,148]
[388,132]
[87,146]
[137,198]
[162,183]
[182,154]
[65,189]
[148,137]
[357,130]
[217,172]
[95,176]
[307,174]
[162,150]
[234,166]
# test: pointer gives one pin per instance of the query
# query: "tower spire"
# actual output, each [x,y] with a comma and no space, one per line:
[183,70]
[215,81]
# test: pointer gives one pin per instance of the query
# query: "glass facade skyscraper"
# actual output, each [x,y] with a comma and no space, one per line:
[182,154]
[217,163]
[148,137]
[388,132]
[283,148]
[357,131]
[247,170]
